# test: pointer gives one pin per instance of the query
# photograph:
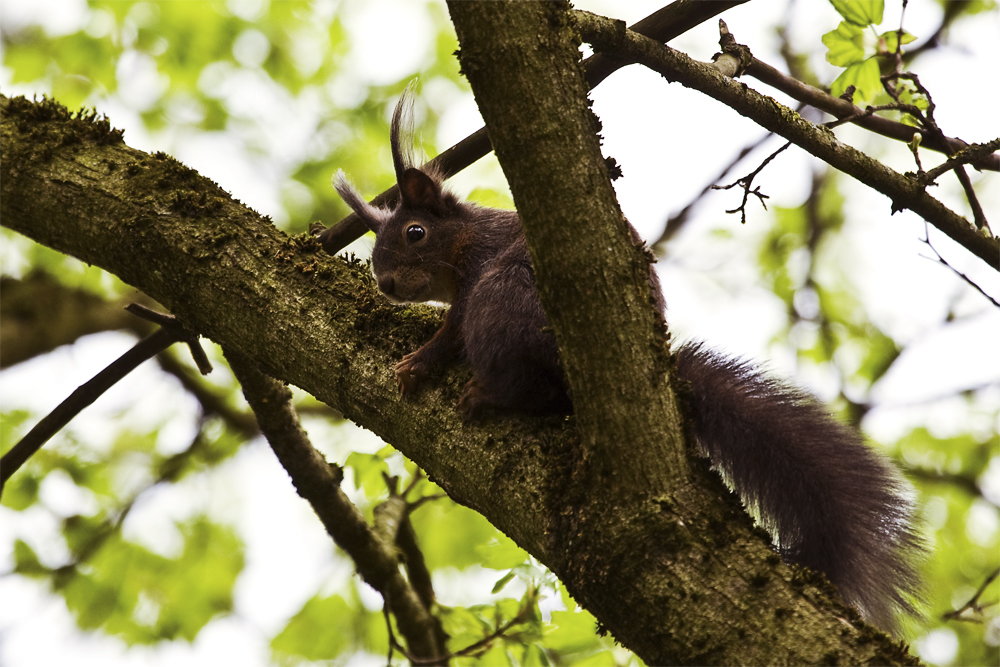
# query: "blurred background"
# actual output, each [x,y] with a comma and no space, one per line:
[158,528]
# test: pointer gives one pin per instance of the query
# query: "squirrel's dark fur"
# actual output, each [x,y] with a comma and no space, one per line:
[829,501]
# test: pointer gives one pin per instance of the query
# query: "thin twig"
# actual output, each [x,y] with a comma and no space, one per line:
[171,331]
[971,154]
[417,476]
[606,36]
[931,127]
[392,636]
[676,222]
[846,110]
[927,122]
[747,181]
[941,260]
[977,209]
[420,501]
[181,334]
[973,604]
[475,647]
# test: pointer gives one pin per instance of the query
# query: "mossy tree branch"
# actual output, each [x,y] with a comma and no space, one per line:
[679,577]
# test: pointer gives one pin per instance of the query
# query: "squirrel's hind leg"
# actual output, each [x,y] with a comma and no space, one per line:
[508,344]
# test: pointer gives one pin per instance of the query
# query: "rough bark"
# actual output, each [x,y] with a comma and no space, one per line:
[679,577]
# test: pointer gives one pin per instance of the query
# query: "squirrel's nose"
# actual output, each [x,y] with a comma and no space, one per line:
[386,285]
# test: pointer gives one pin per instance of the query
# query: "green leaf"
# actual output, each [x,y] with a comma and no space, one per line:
[880,353]
[504,580]
[451,535]
[502,554]
[21,491]
[82,531]
[23,57]
[143,597]
[316,632]
[13,425]
[368,473]
[535,656]
[26,560]
[860,12]
[864,77]
[888,40]
[497,656]
[907,95]
[492,198]
[572,632]
[845,45]
[598,659]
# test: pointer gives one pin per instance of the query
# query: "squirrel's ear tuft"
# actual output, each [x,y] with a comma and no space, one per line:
[420,192]
[371,216]
[401,133]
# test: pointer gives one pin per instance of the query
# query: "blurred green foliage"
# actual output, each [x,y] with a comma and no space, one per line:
[172,65]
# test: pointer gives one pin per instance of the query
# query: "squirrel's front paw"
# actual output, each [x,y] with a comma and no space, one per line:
[409,372]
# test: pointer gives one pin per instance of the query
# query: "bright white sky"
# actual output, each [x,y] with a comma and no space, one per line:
[659,133]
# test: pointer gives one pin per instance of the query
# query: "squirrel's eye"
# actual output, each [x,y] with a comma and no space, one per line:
[414,233]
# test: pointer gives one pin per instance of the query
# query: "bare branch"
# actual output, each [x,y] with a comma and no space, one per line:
[676,222]
[747,181]
[941,260]
[970,154]
[477,647]
[171,331]
[974,604]
[183,335]
[903,191]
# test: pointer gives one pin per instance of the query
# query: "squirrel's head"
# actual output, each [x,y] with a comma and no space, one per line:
[416,243]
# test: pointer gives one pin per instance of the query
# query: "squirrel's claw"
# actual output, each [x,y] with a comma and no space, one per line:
[409,372]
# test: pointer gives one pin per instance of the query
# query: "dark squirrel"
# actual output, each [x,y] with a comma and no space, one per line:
[830,502]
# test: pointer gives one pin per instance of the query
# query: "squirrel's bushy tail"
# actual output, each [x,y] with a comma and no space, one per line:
[828,500]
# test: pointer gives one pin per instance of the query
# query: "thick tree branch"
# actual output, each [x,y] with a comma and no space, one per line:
[38,314]
[576,240]
[904,192]
[682,577]
[373,550]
